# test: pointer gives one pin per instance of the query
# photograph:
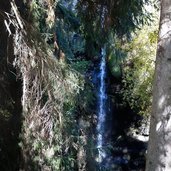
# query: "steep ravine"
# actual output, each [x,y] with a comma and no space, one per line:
[120,150]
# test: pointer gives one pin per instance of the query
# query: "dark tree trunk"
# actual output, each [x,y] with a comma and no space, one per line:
[10,98]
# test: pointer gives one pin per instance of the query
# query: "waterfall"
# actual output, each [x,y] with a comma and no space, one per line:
[102,97]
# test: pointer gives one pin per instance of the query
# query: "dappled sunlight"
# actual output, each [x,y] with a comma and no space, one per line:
[159,150]
[76,80]
[162,101]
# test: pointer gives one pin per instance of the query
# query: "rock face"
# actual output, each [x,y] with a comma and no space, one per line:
[141,133]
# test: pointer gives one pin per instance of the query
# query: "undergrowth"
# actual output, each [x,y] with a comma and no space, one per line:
[49,137]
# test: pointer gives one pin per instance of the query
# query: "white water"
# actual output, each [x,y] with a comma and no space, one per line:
[102,97]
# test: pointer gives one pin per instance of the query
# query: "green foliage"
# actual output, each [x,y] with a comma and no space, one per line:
[138,69]
[53,17]
[37,14]
[87,99]
[115,59]
[5,114]
[77,44]
[55,95]
[70,17]
[50,92]
[63,40]
[67,31]
[81,65]
[101,17]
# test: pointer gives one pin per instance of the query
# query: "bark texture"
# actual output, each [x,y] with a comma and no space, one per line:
[159,149]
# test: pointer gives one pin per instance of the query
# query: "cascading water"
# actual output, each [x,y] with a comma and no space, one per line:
[102,98]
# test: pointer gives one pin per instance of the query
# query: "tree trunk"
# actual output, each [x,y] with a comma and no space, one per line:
[159,148]
[10,96]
